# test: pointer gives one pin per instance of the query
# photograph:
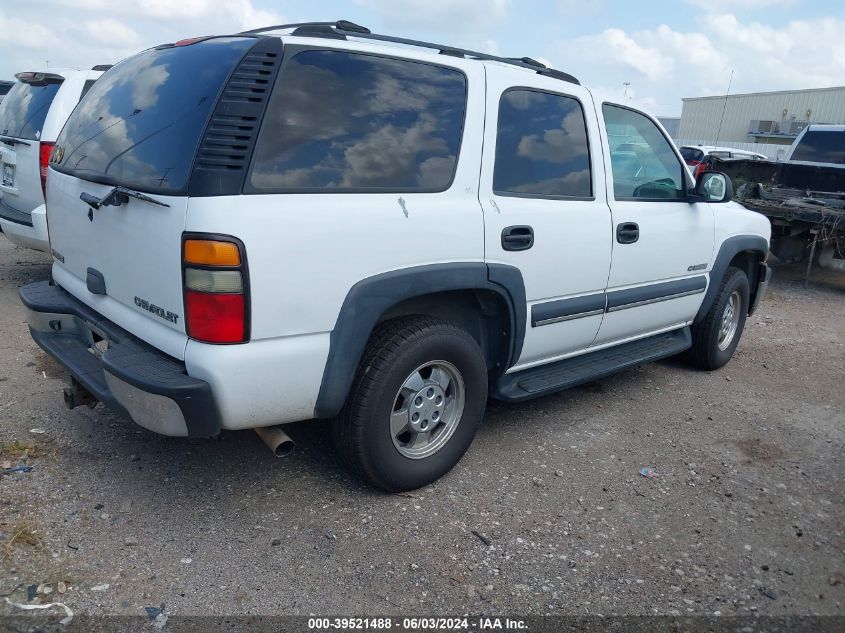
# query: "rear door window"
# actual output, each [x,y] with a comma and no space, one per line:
[541,146]
[340,121]
[25,108]
[140,123]
[821,147]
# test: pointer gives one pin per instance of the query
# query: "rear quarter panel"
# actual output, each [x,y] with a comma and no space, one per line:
[306,251]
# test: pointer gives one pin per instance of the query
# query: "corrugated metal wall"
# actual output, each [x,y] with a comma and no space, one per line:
[700,116]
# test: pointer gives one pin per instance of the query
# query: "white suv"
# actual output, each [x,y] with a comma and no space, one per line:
[31,116]
[257,229]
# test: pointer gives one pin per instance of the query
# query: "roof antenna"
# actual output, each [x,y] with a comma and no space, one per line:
[724,107]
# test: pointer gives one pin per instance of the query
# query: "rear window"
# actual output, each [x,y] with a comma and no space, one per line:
[140,123]
[25,108]
[340,121]
[821,147]
[690,153]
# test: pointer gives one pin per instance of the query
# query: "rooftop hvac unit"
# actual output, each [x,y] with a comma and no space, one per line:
[795,127]
[762,127]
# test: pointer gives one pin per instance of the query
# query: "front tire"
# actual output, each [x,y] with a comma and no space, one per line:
[716,337]
[416,402]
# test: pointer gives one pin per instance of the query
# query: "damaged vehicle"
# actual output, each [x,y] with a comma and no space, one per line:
[316,221]
[803,196]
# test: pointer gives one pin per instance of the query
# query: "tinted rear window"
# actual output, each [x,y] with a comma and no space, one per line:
[25,108]
[821,147]
[351,122]
[140,123]
[541,146]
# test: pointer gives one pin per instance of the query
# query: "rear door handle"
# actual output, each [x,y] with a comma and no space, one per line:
[517,238]
[627,232]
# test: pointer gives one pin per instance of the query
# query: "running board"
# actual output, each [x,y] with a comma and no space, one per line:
[539,381]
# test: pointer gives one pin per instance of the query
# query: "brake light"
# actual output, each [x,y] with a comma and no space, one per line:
[215,289]
[44,164]
[191,40]
[215,318]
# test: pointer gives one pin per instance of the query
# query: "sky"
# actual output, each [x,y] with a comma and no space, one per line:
[663,51]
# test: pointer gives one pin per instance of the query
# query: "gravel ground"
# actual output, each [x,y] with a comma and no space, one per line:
[547,513]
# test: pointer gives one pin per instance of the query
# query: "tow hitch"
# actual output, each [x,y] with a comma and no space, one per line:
[76,396]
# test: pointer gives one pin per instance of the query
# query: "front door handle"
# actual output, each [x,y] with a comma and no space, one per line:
[517,238]
[627,232]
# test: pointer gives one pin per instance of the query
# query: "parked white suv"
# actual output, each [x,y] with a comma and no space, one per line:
[252,230]
[31,116]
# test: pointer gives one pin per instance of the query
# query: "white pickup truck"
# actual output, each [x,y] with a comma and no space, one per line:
[315,221]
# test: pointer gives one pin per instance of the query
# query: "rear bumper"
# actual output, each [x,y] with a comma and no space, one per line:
[25,229]
[117,368]
[764,276]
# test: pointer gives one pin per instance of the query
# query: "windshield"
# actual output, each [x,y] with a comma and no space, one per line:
[821,147]
[690,153]
[140,123]
[25,108]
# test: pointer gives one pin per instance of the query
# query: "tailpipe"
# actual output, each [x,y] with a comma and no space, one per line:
[277,440]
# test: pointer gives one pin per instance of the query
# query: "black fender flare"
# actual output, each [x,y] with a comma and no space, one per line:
[729,249]
[370,298]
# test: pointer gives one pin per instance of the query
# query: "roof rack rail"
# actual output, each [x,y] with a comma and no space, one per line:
[343,28]
[342,25]
[101,67]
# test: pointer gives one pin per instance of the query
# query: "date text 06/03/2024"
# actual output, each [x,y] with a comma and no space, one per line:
[418,624]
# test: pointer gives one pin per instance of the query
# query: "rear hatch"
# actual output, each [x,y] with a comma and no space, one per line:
[22,116]
[138,128]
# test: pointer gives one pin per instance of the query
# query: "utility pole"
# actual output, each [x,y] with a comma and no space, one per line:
[626,84]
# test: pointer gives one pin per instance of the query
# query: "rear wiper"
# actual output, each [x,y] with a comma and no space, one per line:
[116,197]
[13,141]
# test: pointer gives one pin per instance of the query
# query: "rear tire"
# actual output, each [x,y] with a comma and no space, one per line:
[416,402]
[715,338]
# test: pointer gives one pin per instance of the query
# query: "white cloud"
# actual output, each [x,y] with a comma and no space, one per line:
[739,5]
[439,15]
[663,64]
[615,44]
[492,47]
[109,30]
[17,32]
[81,33]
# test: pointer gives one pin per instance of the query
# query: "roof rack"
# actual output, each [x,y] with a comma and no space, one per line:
[342,29]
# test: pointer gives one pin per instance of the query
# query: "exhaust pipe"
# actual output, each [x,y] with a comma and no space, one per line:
[277,440]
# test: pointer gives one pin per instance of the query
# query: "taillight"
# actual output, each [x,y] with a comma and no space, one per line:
[216,289]
[44,164]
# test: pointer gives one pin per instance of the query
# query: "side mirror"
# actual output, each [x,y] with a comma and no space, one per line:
[712,186]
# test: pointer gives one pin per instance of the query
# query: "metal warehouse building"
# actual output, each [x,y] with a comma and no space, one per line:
[761,117]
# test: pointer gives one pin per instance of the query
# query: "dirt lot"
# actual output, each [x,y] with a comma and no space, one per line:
[746,514]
